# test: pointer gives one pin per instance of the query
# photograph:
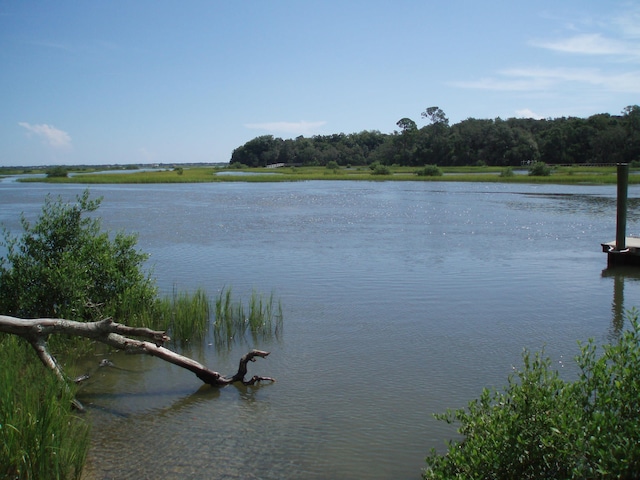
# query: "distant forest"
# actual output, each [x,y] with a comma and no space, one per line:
[599,139]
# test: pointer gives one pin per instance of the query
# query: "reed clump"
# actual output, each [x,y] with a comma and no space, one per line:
[185,316]
[259,319]
[40,436]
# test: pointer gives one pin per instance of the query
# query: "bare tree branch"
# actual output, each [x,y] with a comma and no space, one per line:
[37,331]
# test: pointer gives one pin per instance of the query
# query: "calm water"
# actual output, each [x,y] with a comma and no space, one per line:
[401,299]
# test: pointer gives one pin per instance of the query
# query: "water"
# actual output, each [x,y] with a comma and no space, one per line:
[401,299]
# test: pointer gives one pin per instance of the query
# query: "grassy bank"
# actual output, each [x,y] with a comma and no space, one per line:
[40,436]
[559,175]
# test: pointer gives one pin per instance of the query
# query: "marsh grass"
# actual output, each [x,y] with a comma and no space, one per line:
[561,175]
[40,437]
[185,315]
[259,319]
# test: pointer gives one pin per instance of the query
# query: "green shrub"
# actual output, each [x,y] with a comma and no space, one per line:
[333,165]
[64,265]
[60,172]
[238,166]
[429,171]
[379,169]
[540,169]
[507,172]
[541,426]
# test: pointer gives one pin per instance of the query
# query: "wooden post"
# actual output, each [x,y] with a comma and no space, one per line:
[621,219]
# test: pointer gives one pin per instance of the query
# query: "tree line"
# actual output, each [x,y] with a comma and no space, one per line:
[601,138]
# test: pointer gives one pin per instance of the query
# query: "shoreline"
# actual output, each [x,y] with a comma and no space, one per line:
[573,175]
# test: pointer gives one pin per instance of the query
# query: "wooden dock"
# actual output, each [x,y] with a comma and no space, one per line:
[630,255]
[624,250]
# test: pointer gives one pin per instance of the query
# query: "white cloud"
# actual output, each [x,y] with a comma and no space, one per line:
[591,44]
[536,79]
[629,23]
[613,41]
[53,136]
[526,113]
[617,82]
[504,84]
[293,128]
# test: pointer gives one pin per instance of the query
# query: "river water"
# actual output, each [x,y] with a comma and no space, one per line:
[400,299]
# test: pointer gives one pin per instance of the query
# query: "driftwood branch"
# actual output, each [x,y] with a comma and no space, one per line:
[37,331]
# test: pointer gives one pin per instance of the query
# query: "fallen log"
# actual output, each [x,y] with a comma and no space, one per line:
[37,331]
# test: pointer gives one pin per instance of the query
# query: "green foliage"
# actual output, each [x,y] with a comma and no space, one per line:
[379,169]
[237,166]
[59,172]
[507,172]
[600,138]
[40,437]
[63,265]
[429,171]
[540,169]
[541,426]
[333,165]
[179,170]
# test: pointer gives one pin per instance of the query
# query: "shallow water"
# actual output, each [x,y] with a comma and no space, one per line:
[401,299]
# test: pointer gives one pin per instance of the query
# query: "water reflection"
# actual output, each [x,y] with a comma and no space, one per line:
[593,204]
[620,275]
[401,299]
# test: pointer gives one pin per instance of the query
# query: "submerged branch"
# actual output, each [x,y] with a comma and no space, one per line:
[36,332]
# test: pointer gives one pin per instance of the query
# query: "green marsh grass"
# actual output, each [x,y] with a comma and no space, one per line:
[561,175]
[185,316]
[40,436]
[259,319]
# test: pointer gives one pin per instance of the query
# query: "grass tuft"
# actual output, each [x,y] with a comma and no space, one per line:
[40,437]
[259,319]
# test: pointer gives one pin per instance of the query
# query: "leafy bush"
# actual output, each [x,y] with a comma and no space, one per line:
[379,169]
[60,172]
[541,426]
[507,172]
[237,166]
[429,171]
[540,169]
[332,165]
[65,266]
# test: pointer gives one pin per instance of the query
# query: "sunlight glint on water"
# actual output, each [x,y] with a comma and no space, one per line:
[401,299]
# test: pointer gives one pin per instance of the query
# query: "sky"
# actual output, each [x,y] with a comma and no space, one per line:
[158,81]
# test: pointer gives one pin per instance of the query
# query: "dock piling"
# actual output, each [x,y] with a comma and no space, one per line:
[621,219]
[624,250]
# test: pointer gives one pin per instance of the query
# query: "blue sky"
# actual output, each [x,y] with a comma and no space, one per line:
[142,81]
